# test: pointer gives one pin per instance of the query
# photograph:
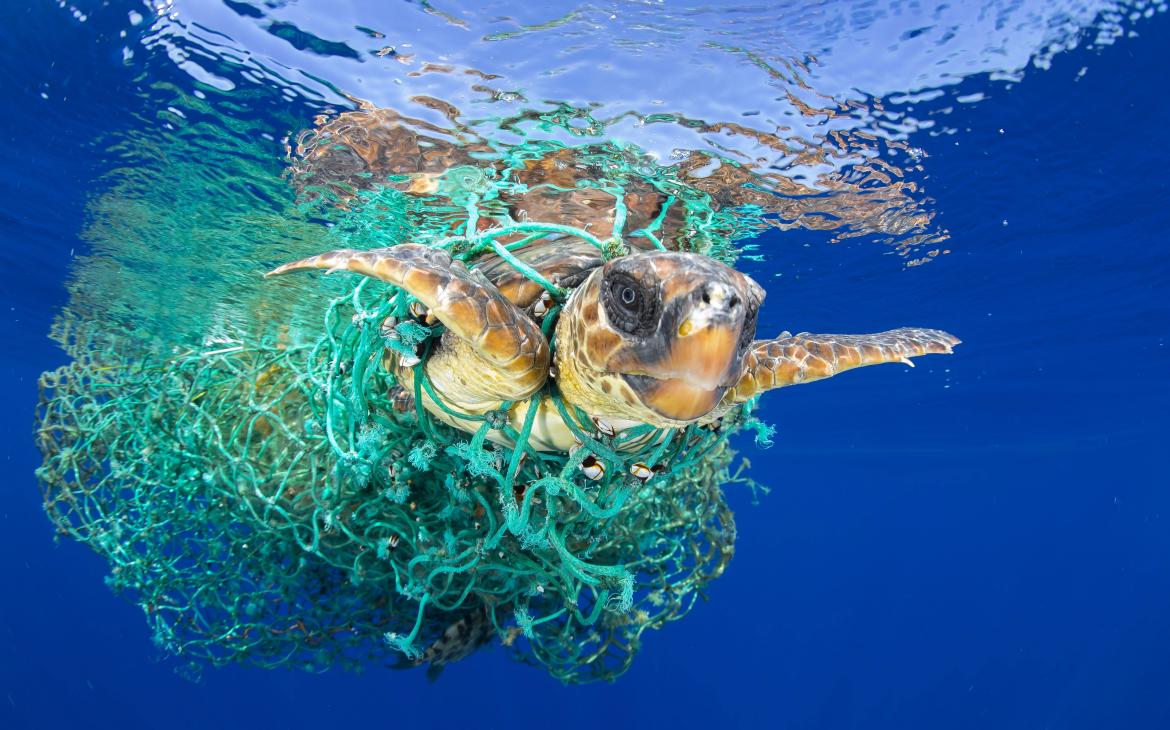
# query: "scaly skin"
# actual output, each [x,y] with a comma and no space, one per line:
[500,340]
[803,358]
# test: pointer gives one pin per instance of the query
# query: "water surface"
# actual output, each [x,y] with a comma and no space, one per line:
[978,542]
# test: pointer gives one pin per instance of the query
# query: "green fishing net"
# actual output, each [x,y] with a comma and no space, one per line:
[275,498]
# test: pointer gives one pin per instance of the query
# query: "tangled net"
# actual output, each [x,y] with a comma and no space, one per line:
[284,503]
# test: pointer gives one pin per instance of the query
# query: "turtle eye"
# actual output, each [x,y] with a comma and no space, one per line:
[629,306]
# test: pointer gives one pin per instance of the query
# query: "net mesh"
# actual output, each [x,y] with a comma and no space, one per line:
[277,499]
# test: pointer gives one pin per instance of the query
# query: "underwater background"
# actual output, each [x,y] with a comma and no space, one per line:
[979,542]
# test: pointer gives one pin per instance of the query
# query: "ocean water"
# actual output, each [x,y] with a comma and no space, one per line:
[977,542]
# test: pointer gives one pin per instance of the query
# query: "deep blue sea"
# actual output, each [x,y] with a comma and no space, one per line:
[982,541]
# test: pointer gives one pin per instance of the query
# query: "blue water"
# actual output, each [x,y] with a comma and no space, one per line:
[979,542]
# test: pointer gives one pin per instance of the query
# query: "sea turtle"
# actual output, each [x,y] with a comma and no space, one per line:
[665,338]
[655,337]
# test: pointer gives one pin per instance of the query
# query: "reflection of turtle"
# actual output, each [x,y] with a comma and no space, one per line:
[662,338]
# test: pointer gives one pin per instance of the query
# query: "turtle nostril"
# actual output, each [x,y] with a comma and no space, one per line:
[720,297]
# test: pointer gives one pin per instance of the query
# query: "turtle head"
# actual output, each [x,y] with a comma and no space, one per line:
[657,337]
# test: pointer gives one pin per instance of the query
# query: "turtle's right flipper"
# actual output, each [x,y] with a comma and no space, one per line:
[509,344]
[803,358]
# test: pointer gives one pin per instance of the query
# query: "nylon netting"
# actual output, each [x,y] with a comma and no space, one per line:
[278,500]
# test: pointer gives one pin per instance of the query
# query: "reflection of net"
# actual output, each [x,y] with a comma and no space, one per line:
[283,504]
[868,195]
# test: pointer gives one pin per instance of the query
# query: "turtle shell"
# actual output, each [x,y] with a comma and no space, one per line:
[565,261]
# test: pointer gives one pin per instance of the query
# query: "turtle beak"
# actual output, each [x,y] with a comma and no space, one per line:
[673,398]
[705,348]
[703,359]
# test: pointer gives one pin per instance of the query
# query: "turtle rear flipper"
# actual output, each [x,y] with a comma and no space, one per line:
[794,359]
[509,356]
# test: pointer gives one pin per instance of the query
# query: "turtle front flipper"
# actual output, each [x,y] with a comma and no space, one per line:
[793,359]
[500,353]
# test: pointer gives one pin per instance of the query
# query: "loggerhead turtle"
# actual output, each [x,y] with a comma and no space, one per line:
[664,338]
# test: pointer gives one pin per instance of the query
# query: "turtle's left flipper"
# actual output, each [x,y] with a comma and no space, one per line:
[802,358]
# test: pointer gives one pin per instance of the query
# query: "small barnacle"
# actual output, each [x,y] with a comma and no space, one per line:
[422,312]
[592,467]
[641,471]
[542,305]
[604,427]
[401,399]
[387,330]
